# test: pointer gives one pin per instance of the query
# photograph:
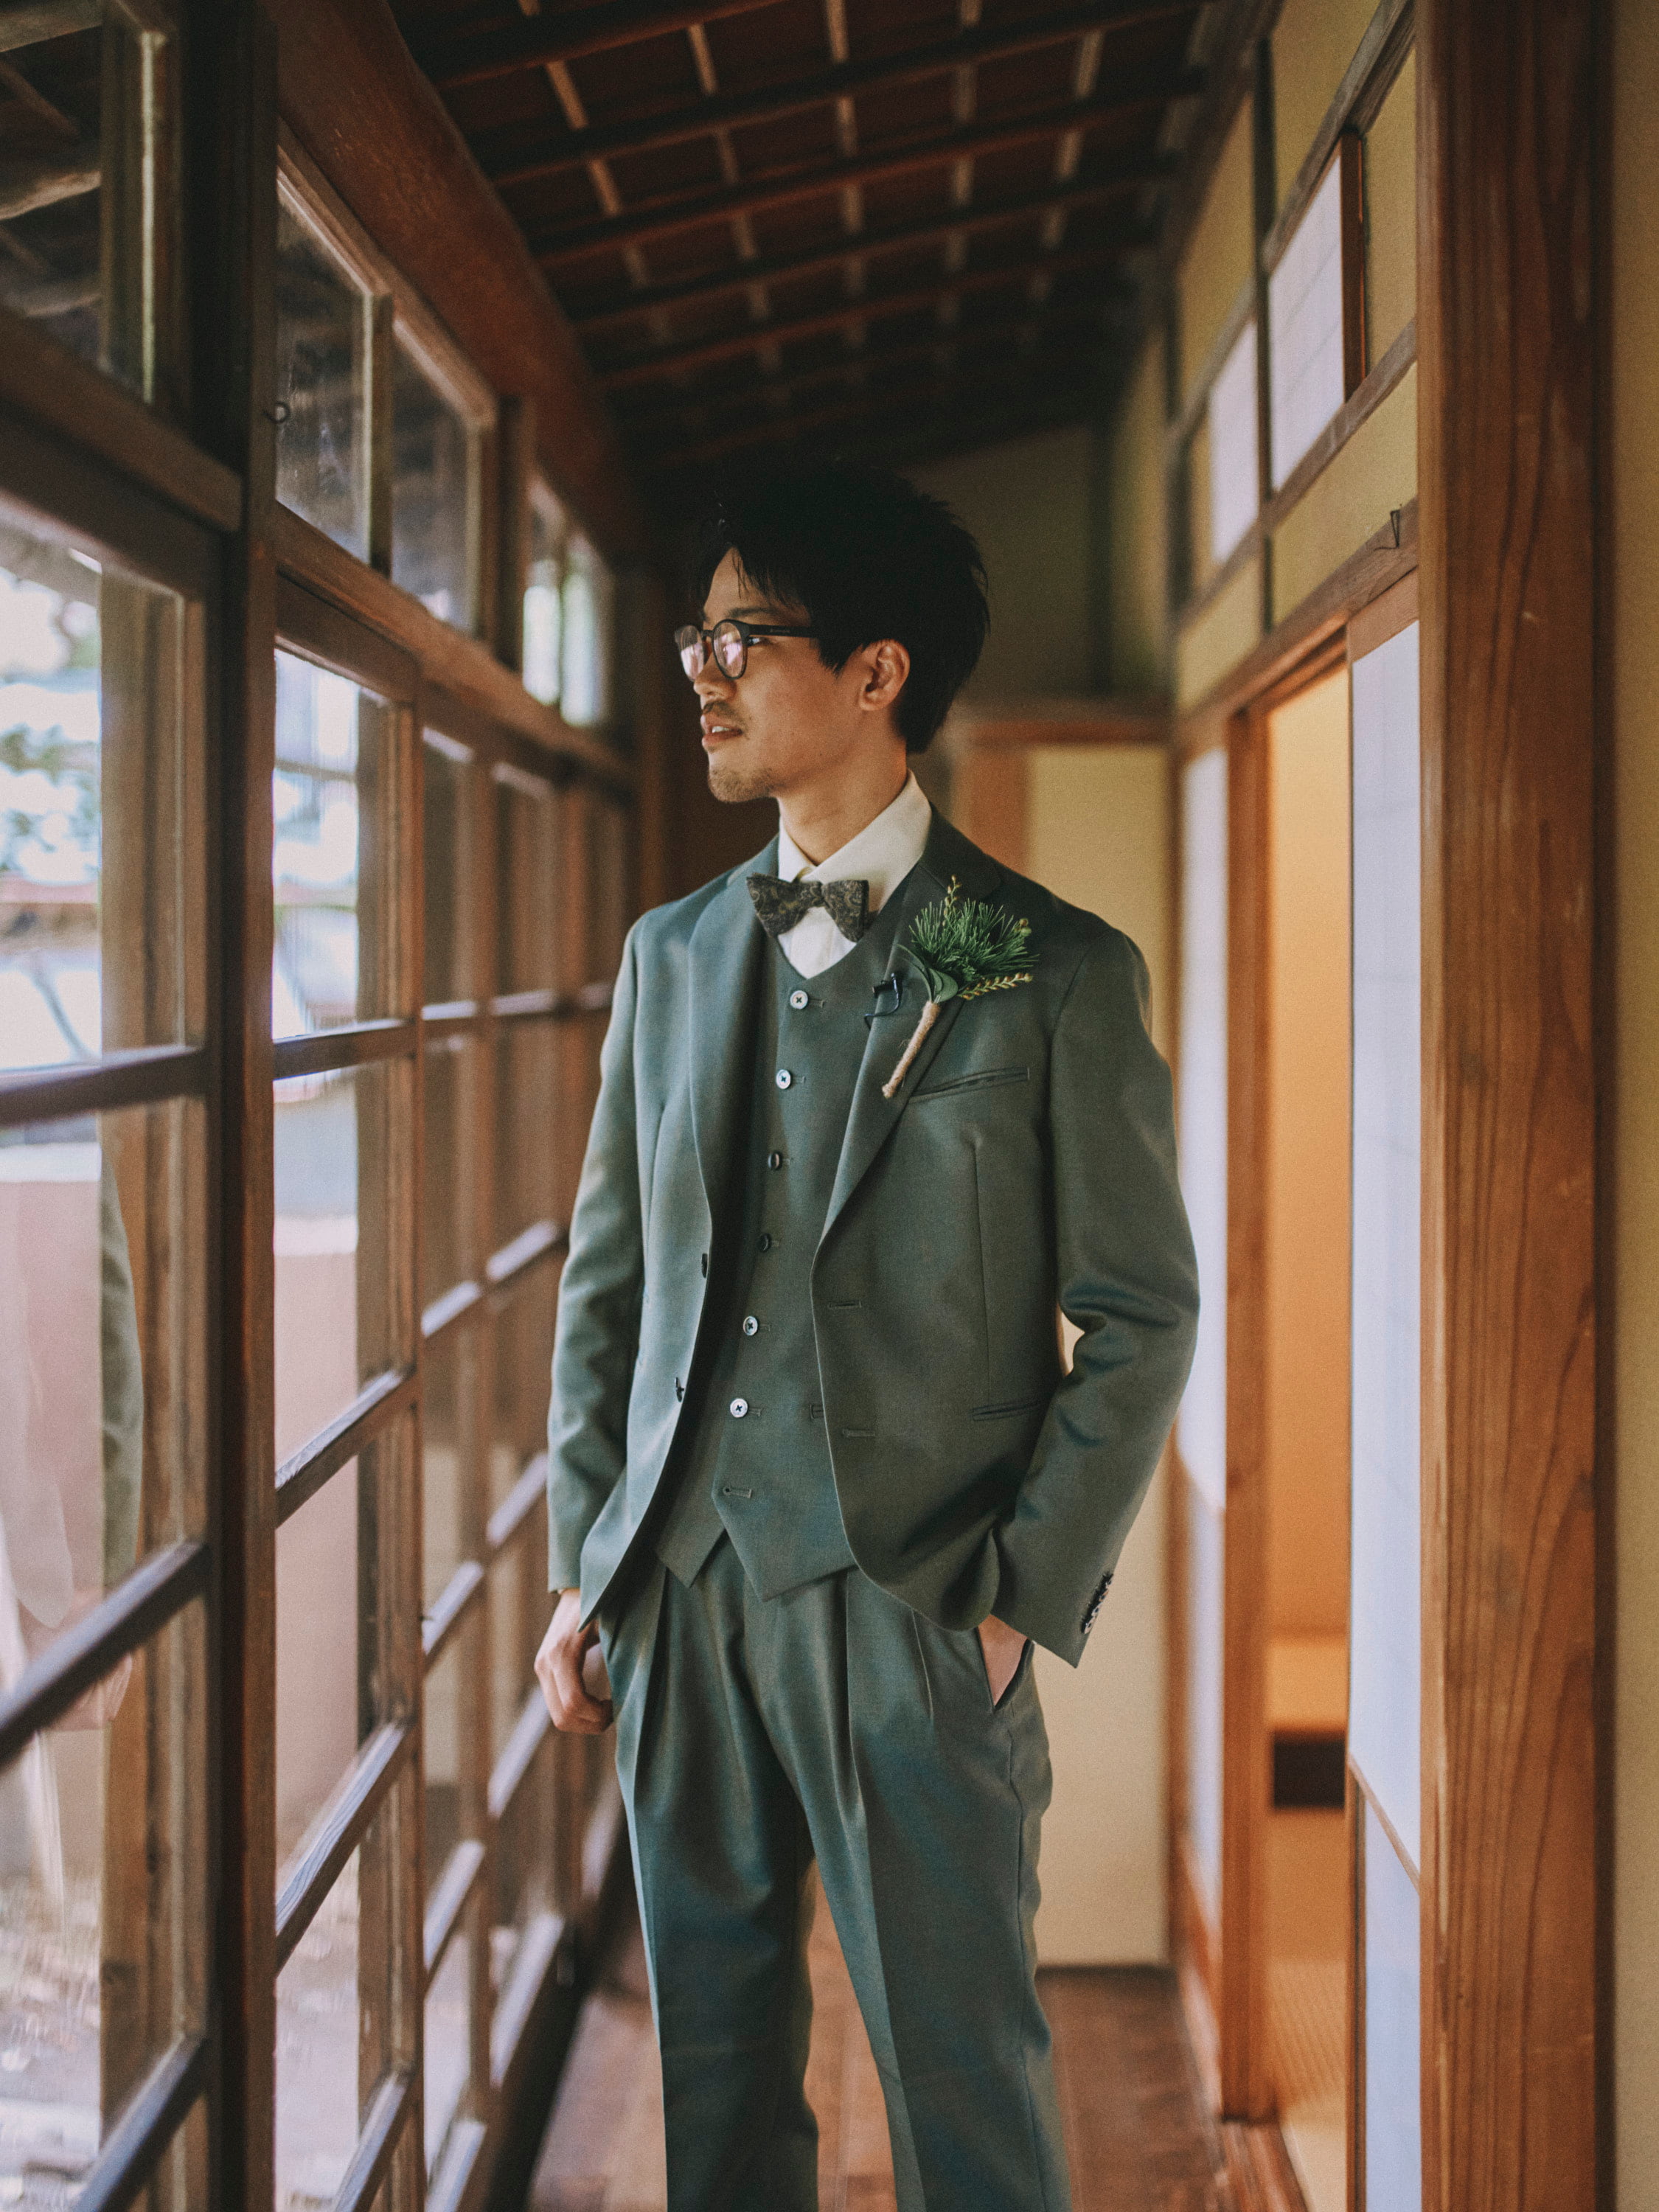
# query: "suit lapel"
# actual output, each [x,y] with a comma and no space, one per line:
[873,1118]
[725,966]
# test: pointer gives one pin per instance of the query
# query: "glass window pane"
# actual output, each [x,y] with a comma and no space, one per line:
[448,2041]
[443,1731]
[322,379]
[317,2039]
[543,596]
[589,622]
[523,1366]
[526,831]
[433,494]
[103,1905]
[609,885]
[448,951]
[519,1609]
[344,1297]
[527,1062]
[333,864]
[98,803]
[526,1857]
[448,1389]
[324,1711]
[450,1076]
[102,1367]
[87,128]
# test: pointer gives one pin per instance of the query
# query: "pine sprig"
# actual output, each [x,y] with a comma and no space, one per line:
[965,947]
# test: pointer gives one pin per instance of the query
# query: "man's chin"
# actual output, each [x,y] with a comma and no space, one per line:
[734,786]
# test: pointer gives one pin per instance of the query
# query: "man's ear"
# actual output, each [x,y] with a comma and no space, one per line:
[886,666]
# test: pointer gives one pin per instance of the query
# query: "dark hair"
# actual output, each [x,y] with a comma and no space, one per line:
[865,556]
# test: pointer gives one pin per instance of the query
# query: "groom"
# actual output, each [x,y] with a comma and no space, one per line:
[818,1476]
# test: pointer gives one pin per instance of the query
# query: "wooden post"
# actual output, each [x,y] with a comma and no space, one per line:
[1506,359]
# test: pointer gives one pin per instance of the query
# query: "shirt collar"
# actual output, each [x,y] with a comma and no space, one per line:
[884,851]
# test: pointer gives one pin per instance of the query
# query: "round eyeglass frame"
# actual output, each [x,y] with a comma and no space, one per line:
[726,643]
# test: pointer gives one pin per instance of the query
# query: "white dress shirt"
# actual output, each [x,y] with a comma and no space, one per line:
[884,853]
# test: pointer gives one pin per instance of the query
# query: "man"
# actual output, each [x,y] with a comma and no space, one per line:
[817,1480]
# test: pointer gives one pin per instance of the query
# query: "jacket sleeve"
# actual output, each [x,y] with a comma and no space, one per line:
[1127,1279]
[596,1334]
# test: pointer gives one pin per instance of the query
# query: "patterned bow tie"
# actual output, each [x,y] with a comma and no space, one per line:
[781,905]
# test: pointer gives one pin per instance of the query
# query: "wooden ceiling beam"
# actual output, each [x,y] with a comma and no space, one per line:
[670,214]
[649,133]
[1072,388]
[1025,323]
[567,37]
[739,276]
[866,308]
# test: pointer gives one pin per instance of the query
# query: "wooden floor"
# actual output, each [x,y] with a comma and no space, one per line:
[1135,2134]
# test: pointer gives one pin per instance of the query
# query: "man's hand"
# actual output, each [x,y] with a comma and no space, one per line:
[1003,1648]
[560,1666]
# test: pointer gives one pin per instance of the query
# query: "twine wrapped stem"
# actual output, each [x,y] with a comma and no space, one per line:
[929,1016]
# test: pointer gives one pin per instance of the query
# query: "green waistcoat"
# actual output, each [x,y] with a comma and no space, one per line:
[759,1464]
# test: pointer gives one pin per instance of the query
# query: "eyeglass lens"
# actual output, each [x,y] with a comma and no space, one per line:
[726,640]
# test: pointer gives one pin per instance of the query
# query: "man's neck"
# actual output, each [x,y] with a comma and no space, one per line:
[822,821]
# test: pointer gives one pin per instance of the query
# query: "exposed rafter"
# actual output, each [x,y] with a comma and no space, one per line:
[677,360]
[673,213]
[567,37]
[781,267]
[1024,327]
[1070,393]
[883,73]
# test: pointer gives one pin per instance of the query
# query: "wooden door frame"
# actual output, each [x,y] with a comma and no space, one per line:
[1515,1788]
[1247,2088]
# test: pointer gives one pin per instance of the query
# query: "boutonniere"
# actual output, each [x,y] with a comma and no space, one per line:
[964,947]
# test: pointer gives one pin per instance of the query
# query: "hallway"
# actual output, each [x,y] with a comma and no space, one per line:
[1135,2132]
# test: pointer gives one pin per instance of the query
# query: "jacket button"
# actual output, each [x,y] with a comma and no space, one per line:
[784,1078]
[774,1159]
[751,1326]
[739,1407]
[798,999]
[765,1241]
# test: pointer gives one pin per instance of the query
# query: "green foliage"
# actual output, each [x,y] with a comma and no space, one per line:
[965,947]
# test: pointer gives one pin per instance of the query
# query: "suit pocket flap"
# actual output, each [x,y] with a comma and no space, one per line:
[983,1080]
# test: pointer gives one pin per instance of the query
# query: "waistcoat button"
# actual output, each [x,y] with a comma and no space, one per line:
[751,1326]
[739,1407]
[798,999]
[774,1159]
[766,1241]
[784,1078]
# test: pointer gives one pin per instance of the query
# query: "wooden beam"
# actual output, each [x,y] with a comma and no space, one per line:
[676,360]
[940,432]
[878,362]
[671,213]
[784,268]
[568,36]
[1077,358]
[1509,211]
[642,134]
[28,22]
[41,180]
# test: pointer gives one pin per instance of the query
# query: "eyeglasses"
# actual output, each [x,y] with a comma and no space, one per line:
[726,644]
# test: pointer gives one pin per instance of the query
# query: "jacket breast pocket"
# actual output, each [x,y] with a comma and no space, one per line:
[986,1078]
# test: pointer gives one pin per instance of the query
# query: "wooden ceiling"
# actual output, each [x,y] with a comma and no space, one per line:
[882,227]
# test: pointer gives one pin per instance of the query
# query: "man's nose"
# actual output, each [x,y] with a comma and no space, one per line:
[713,684]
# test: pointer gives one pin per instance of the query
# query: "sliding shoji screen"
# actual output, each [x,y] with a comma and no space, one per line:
[1385,1746]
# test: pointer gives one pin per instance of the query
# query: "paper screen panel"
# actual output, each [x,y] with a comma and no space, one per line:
[1386,1596]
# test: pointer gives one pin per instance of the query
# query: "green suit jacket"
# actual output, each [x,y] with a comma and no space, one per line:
[1026,1165]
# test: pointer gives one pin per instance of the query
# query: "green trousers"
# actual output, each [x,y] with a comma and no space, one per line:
[835,1723]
